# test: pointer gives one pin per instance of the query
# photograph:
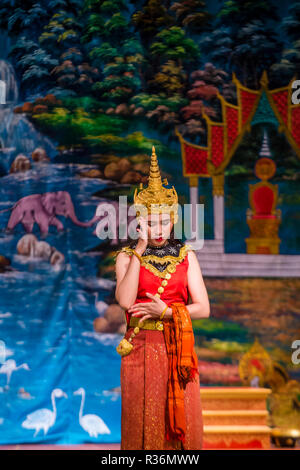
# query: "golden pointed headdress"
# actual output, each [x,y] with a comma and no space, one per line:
[155,198]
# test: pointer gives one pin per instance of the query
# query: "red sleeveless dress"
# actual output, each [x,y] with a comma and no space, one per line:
[144,377]
[175,291]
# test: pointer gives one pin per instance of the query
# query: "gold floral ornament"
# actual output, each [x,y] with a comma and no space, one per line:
[124,347]
[155,198]
[171,267]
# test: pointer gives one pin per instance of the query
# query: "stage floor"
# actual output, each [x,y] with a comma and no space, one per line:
[98,447]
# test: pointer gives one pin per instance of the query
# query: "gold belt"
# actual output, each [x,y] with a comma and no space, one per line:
[148,324]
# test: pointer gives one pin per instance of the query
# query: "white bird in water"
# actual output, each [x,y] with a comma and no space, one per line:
[91,423]
[43,418]
[9,367]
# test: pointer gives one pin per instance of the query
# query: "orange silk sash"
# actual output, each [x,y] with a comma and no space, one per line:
[182,368]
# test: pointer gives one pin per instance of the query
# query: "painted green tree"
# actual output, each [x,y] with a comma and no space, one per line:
[32,62]
[171,54]
[62,37]
[245,39]
[289,64]
[114,49]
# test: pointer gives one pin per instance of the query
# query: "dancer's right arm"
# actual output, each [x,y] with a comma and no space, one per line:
[128,271]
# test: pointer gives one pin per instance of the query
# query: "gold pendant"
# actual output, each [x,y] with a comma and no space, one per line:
[159,325]
[171,268]
[124,347]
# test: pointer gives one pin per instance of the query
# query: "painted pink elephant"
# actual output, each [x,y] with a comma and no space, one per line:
[42,209]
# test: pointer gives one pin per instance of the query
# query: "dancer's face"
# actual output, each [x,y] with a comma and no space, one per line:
[159,228]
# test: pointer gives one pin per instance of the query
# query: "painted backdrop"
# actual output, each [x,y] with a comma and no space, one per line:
[86,88]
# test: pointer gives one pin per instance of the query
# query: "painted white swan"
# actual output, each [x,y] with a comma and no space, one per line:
[92,424]
[43,418]
[9,367]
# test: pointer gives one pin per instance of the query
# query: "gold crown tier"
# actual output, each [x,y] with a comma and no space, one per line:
[235,417]
[155,198]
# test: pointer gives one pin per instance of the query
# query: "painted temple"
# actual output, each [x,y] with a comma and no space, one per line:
[262,257]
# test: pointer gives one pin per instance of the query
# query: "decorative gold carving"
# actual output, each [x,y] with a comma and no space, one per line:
[263,231]
[264,228]
[260,246]
[124,347]
[218,184]
[194,181]
[173,260]
[159,325]
[265,168]
[148,324]
[256,363]
[264,79]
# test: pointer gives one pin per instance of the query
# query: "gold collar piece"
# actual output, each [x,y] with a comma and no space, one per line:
[172,260]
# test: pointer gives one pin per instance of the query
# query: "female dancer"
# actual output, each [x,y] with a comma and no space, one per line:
[160,386]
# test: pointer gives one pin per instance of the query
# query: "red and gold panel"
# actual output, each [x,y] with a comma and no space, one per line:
[248,100]
[217,144]
[232,124]
[280,99]
[223,137]
[195,161]
[295,124]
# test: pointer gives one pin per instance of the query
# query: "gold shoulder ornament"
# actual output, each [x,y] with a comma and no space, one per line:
[172,260]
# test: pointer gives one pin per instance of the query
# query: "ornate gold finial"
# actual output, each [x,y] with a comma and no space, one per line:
[264,79]
[155,183]
[218,184]
[156,198]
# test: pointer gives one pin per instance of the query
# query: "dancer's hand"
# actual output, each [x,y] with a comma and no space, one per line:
[152,309]
[143,238]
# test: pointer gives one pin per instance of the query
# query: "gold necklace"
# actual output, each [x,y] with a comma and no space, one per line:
[172,260]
